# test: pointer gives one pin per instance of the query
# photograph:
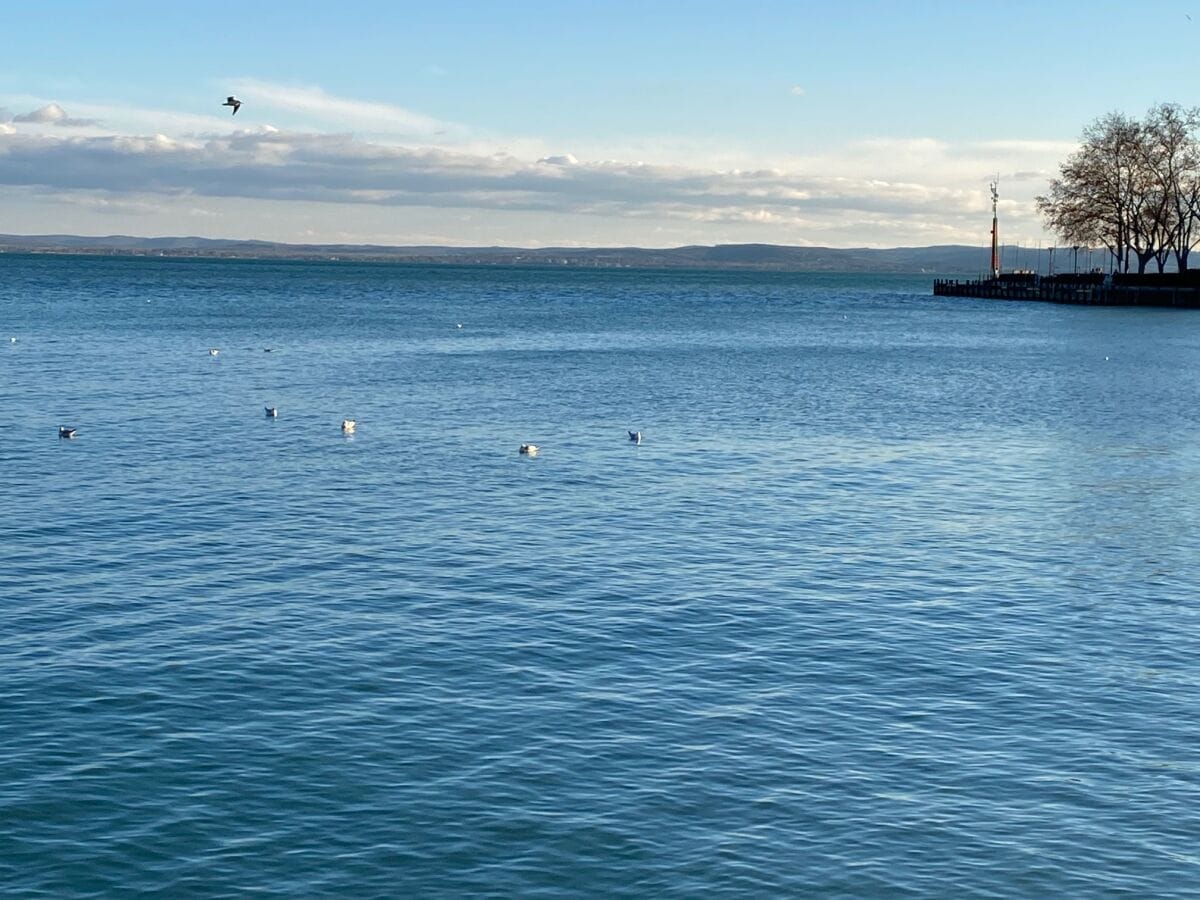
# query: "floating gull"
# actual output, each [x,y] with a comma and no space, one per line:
[13,340]
[528,450]
[348,426]
[635,436]
[272,412]
[65,432]
[234,102]
[213,351]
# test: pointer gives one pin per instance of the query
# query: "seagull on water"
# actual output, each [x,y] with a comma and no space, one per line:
[528,450]
[65,432]
[234,102]
[348,426]
[635,436]
[272,412]
[213,351]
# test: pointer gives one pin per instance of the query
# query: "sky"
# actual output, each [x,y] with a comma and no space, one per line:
[566,124]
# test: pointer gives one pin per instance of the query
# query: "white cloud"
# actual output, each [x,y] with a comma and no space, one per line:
[797,91]
[1055,148]
[386,163]
[270,164]
[360,115]
[53,114]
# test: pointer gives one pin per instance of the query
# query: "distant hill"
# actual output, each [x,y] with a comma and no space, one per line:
[949,259]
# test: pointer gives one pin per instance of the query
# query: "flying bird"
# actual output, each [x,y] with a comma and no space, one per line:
[234,102]
[272,412]
[65,432]
[348,426]
[528,450]
[635,436]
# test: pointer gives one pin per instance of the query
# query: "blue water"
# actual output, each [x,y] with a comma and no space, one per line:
[899,596]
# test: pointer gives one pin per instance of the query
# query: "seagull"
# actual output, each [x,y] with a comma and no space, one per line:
[348,426]
[213,351]
[65,432]
[13,340]
[528,450]
[234,102]
[635,436]
[272,412]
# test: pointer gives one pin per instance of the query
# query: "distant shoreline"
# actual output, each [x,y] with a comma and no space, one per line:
[733,257]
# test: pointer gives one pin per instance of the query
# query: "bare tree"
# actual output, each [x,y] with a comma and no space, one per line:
[1132,187]
[1093,201]
[1174,158]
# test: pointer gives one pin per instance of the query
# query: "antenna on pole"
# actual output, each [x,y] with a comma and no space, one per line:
[995,186]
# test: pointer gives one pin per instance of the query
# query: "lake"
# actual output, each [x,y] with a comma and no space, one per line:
[899,595]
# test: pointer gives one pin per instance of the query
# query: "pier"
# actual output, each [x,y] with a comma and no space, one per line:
[1093,288]
[1170,289]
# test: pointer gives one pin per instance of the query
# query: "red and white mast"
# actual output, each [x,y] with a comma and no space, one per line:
[995,230]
